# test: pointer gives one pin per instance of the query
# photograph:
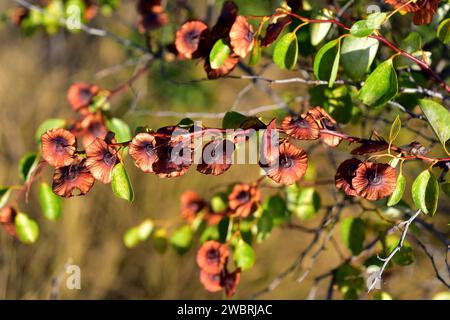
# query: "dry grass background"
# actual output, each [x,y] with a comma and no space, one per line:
[34,76]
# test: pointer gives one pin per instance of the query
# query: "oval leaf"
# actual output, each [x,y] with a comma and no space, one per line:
[27,164]
[51,204]
[233,120]
[397,195]
[120,183]
[425,192]
[219,54]
[182,239]
[131,238]
[381,86]
[319,31]
[255,56]
[120,128]
[326,62]
[285,54]
[357,55]
[438,117]
[353,234]
[244,256]
[27,229]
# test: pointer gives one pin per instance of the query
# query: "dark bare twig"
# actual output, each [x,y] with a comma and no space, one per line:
[433,262]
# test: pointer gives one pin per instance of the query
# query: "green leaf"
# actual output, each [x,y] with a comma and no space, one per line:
[186,123]
[411,44]
[361,29]
[51,204]
[285,54]
[27,229]
[27,164]
[131,238]
[160,240]
[120,128]
[120,183]
[219,202]
[375,20]
[276,206]
[326,62]
[49,124]
[219,54]
[438,117]
[255,56]
[397,195]
[233,120]
[381,295]
[443,31]
[364,28]
[425,192]
[395,129]
[182,238]
[319,31]
[381,86]
[4,195]
[244,256]
[264,226]
[138,234]
[211,232]
[145,229]
[225,228]
[304,202]
[353,234]
[350,281]
[357,55]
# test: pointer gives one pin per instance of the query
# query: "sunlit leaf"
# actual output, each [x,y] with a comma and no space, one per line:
[425,192]
[244,256]
[397,195]
[438,117]
[219,54]
[326,62]
[120,183]
[357,55]
[120,128]
[27,229]
[381,86]
[303,202]
[319,31]
[395,129]
[285,54]
[51,204]
[443,31]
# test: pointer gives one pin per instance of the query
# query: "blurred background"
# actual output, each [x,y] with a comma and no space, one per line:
[35,73]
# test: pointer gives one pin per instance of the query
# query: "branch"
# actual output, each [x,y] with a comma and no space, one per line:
[85,28]
[405,224]
[433,262]
[326,221]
